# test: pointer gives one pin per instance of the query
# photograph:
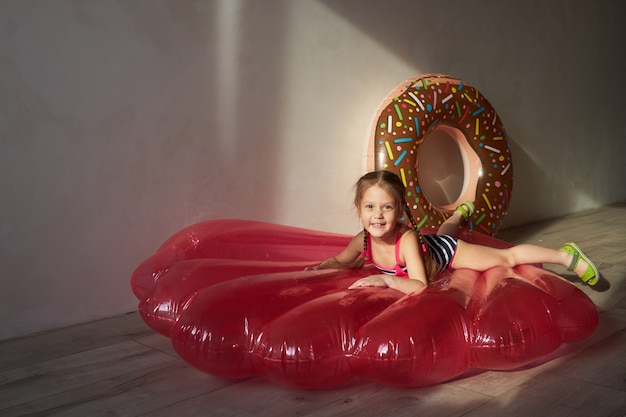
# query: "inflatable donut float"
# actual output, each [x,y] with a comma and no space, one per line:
[235,300]
[447,143]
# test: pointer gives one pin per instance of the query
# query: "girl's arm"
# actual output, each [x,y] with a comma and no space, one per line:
[411,255]
[383,280]
[346,258]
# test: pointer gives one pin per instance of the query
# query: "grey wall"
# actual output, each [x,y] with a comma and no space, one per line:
[124,121]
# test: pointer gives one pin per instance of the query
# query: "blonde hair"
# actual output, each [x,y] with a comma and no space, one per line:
[394,186]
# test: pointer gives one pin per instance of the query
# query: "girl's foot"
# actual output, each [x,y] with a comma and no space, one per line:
[466,209]
[586,271]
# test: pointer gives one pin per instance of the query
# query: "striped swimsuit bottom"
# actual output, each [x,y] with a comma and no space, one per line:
[441,248]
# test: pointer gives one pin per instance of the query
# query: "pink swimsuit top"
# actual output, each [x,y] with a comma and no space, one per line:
[399,269]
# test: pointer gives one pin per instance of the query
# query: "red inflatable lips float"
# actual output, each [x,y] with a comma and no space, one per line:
[235,300]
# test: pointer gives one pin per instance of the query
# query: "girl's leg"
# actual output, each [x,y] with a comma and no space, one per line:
[481,258]
[451,225]
[457,219]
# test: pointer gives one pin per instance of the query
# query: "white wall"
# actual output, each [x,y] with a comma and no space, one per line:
[122,122]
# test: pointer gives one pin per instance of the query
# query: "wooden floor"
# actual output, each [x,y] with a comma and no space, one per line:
[118,367]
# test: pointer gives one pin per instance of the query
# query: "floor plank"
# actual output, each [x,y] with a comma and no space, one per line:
[554,396]
[131,394]
[260,398]
[59,375]
[19,352]
[438,401]
[603,364]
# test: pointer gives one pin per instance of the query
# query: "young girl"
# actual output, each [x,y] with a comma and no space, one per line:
[400,252]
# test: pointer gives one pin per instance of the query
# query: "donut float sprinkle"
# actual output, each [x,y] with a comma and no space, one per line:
[422,105]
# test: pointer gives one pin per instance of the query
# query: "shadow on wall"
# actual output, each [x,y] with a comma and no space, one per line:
[112,140]
[529,177]
[517,56]
[230,55]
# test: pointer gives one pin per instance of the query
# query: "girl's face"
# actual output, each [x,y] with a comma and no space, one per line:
[378,212]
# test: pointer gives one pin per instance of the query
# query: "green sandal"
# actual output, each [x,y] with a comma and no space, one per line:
[466,208]
[591,274]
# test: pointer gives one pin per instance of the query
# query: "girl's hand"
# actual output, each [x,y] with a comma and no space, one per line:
[371,281]
[312,268]
[401,284]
